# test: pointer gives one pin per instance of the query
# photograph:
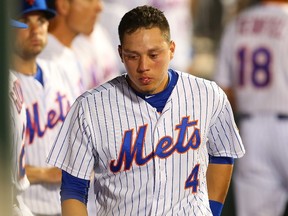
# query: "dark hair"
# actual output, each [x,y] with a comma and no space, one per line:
[143,17]
[51,4]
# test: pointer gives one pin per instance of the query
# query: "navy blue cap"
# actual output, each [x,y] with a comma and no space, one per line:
[36,5]
[17,24]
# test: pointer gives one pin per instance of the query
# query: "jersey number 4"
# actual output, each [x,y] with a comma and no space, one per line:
[254,67]
[193,180]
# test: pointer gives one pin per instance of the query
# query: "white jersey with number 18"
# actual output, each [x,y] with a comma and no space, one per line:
[252,59]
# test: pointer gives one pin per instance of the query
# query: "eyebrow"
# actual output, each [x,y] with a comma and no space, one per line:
[127,51]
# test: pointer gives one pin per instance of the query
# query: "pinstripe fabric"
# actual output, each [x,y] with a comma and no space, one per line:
[142,158]
[18,122]
[46,108]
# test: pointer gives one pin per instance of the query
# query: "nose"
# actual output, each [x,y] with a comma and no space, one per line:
[143,64]
[34,26]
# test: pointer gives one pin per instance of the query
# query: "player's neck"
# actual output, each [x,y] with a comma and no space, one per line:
[27,67]
[62,33]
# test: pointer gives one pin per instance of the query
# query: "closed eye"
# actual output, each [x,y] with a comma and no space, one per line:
[131,56]
[153,56]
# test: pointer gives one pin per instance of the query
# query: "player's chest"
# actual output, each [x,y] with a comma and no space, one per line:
[46,108]
[127,143]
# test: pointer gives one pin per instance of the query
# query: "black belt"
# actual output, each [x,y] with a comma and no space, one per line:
[243,116]
[282,116]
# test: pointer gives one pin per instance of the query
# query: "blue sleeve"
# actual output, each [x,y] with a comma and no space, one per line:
[221,160]
[216,207]
[74,188]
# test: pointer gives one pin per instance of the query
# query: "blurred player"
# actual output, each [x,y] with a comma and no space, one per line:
[20,181]
[47,103]
[97,56]
[148,135]
[73,17]
[99,61]
[253,71]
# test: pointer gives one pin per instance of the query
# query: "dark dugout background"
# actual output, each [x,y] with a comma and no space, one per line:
[5,194]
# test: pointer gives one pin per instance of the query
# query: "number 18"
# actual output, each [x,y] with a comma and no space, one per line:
[254,66]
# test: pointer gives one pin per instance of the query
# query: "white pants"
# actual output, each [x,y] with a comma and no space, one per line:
[261,176]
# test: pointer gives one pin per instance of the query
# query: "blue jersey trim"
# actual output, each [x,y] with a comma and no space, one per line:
[159,100]
[74,188]
[39,75]
[221,160]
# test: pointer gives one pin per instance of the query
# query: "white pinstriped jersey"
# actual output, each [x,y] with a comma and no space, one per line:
[71,70]
[252,62]
[252,59]
[145,162]
[18,124]
[97,56]
[46,108]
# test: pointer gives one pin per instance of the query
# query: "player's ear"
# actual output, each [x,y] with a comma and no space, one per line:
[120,52]
[62,6]
[172,49]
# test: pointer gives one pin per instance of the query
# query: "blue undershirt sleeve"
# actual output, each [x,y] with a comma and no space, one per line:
[221,160]
[74,188]
[216,207]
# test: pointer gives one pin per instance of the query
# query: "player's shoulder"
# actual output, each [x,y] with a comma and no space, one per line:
[49,68]
[118,83]
[201,86]
[12,76]
[198,82]
[12,79]
[54,50]
[263,9]
[46,64]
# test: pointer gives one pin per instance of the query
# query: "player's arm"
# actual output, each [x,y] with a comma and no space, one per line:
[74,195]
[73,207]
[218,180]
[38,175]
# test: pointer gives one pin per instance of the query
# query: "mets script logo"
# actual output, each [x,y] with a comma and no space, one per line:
[52,119]
[132,150]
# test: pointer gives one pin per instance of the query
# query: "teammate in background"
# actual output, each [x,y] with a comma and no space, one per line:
[148,135]
[99,61]
[97,56]
[73,17]
[20,181]
[252,71]
[47,103]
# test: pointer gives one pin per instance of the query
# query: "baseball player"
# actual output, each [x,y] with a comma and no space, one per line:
[148,135]
[20,181]
[64,27]
[97,56]
[47,102]
[253,72]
